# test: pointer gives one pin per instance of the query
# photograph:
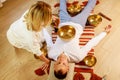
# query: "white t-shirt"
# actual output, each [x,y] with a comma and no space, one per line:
[72,49]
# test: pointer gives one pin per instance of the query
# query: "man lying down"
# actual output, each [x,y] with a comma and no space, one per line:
[66,48]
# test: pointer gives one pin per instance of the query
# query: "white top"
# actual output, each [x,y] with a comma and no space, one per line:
[72,48]
[20,37]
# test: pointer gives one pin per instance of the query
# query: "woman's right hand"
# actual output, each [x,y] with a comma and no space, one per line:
[45,65]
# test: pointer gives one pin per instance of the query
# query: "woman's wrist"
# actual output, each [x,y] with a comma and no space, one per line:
[48,61]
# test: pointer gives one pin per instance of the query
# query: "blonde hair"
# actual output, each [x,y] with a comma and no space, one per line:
[39,15]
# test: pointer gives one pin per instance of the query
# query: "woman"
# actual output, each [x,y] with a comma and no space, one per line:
[28,31]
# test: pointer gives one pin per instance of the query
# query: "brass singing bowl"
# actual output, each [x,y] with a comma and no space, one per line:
[90,60]
[94,20]
[74,9]
[66,32]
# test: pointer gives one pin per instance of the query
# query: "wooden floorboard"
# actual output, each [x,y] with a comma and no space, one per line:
[21,66]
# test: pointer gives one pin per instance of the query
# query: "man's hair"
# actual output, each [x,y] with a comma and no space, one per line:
[59,74]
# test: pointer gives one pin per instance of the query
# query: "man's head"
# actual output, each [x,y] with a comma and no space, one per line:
[61,67]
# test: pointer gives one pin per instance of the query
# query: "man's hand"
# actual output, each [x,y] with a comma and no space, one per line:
[108,28]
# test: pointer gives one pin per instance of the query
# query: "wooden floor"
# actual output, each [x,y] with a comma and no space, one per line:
[21,66]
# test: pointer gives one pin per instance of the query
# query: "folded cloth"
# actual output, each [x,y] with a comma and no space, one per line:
[78,76]
[39,72]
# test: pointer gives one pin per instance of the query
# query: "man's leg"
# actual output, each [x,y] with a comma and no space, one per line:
[64,16]
[82,17]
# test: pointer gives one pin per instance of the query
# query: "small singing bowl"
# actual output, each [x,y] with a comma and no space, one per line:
[90,60]
[66,32]
[94,20]
[74,9]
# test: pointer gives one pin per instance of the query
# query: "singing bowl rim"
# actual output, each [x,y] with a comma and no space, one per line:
[89,56]
[73,8]
[94,15]
[65,27]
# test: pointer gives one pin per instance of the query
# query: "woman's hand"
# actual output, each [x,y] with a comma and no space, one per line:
[45,65]
[45,60]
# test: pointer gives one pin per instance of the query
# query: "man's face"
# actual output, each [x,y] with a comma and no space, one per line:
[61,64]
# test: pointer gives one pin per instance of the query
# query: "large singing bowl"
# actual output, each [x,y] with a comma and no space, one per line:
[94,20]
[66,32]
[90,60]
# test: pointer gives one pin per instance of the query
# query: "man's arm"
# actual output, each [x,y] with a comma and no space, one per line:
[94,41]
